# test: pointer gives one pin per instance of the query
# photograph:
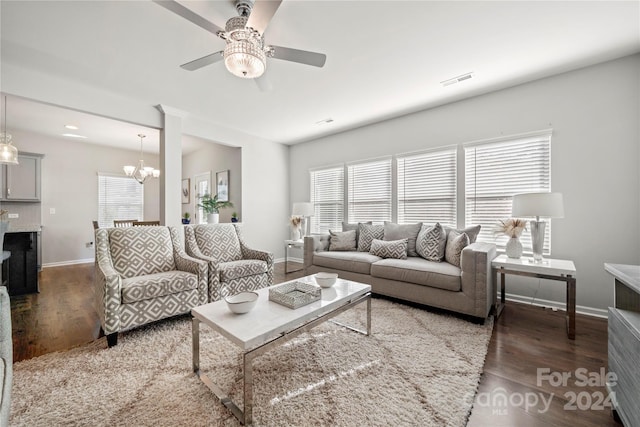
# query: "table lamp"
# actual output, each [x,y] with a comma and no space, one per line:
[304,210]
[536,205]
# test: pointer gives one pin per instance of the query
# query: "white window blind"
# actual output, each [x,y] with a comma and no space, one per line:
[119,197]
[498,170]
[427,187]
[327,195]
[369,191]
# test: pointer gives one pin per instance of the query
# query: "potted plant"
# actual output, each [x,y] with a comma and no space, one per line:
[186,218]
[212,206]
[234,217]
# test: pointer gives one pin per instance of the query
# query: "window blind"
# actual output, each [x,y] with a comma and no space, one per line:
[495,172]
[427,187]
[327,196]
[119,197]
[369,191]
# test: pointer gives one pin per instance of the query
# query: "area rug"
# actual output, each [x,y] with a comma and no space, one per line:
[417,368]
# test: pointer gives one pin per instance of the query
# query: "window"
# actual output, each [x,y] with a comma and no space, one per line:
[119,197]
[497,170]
[427,187]
[369,191]
[327,195]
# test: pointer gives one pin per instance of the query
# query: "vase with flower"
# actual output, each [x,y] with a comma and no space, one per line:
[512,228]
[295,222]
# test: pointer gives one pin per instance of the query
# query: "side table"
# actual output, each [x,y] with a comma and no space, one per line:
[550,269]
[288,244]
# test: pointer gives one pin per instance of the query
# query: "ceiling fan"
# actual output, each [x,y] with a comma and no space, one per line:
[245,54]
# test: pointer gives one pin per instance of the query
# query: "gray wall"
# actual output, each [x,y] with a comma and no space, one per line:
[215,158]
[70,185]
[595,156]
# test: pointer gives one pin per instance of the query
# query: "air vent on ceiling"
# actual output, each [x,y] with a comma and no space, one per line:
[325,121]
[457,79]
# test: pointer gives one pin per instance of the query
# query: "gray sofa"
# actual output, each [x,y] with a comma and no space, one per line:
[6,357]
[467,289]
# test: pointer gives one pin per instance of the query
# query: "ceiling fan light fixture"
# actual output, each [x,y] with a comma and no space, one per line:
[245,59]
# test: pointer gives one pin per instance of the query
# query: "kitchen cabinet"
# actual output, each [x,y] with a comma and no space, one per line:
[23,263]
[22,182]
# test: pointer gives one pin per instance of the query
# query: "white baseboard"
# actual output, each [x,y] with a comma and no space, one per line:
[589,311]
[73,262]
[278,260]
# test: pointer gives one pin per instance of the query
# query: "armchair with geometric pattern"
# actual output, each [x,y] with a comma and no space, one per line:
[233,266]
[142,275]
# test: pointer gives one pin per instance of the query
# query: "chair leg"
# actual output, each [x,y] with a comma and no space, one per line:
[112,339]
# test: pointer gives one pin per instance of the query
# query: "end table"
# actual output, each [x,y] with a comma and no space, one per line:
[550,269]
[288,244]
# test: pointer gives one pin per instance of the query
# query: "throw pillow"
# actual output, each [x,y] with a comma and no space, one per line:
[389,249]
[342,241]
[410,232]
[431,242]
[369,232]
[455,244]
[347,226]
[472,232]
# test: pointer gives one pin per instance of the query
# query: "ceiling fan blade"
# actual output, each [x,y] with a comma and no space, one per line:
[203,62]
[301,56]
[261,14]
[264,83]
[189,15]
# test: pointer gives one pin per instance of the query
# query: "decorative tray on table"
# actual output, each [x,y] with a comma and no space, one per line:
[295,294]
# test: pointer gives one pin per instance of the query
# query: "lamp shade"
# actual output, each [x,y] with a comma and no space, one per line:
[538,204]
[303,209]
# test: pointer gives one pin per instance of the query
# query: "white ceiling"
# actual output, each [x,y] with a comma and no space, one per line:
[384,58]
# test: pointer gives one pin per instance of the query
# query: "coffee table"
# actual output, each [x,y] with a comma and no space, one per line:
[270,324]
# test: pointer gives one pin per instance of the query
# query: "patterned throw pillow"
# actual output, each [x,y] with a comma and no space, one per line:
[393,231]
[456,242]
[431,242]
[342,241]
[471,231]
[367,234]
[389,249]
[348,226]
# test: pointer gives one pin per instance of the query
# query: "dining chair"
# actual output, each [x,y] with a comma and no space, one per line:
[142,223]
[119,223]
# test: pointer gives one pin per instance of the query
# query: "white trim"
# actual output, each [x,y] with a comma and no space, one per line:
[72,262]
[560,305]
[452,147]
[290,259]
[370,160]
[533,134]
[321,168]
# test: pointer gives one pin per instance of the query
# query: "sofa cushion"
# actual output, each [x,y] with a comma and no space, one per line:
[342,241]
[391,249]
[238,269]
[355,261]
[455,244]
[417,270]
[138,251]
[431,242]
[472,232]
[157,285]
[393,231]
[348,226]
[368,232]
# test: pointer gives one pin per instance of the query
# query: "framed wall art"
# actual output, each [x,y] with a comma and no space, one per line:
[186,191]
[222,185]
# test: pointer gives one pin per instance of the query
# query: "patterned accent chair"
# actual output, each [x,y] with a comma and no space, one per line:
[6,357]
[233,266]
[142,275]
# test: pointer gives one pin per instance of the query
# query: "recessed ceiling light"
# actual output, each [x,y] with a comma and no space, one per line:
[73,135]
[72,127]
[325,121]
[457,79]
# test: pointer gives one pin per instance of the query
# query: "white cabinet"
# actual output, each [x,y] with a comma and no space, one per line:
[21,182]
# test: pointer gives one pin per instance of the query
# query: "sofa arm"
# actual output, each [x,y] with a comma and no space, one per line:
[107,285]
[314,243]
[477,281]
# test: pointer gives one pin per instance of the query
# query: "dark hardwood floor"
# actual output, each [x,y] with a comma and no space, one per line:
[525,340]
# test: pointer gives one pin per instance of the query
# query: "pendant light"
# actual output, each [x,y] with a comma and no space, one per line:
[8,153]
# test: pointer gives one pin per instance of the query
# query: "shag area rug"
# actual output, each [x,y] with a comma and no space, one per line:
[417,368]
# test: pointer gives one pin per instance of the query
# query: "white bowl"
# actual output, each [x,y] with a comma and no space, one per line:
[326,280]
[242,303]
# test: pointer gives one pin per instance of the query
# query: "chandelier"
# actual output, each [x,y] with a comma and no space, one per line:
[141,172]
[8,153]
[244,54]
